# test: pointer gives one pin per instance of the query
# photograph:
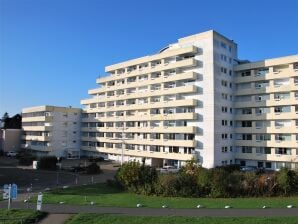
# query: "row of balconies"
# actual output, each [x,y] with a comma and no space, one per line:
[271,74]
[37,118]
[267,103]
[155,117]
[145,64]
[271,88]
[272,115]
[141,153]
[36,138]
[162,129]
[270,143]
[160,78]
[151,93]
[162,142]
[186,63]
[37,147]
[273,130]
[142,83]
[37,128]
[267,157]
[164,104]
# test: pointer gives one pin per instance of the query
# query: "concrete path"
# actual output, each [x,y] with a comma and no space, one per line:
[55,219]
[74,209]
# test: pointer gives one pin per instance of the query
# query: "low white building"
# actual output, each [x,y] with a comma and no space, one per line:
[51,130]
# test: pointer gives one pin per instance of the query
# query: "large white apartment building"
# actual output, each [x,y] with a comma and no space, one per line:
[51,130]
[195,100]
[170,105]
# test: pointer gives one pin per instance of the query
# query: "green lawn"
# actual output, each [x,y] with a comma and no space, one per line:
[115,219]
[20,216]
[104,195]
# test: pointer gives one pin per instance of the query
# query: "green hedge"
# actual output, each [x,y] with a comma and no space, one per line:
[195,181]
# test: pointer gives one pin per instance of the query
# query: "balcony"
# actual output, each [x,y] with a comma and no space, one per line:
[37,118]
[37,128]
[271,143]
[162,55]
[175,103]
[161,79]
[140,153]
[36,138]
[181,143]
[266,157]
[283,73]
[37,148]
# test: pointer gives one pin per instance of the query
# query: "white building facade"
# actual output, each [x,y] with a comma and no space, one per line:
[166,108]
[266,113]
[51,130]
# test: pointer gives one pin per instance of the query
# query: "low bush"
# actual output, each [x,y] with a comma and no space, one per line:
[195,181]
[48,163]
[25,158]
[93,168]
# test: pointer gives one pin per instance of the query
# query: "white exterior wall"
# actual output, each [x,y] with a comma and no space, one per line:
[205,97]
[62,125]
[65,133]
[219,129]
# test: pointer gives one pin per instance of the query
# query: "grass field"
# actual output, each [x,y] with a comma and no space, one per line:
[20,216]
[107,219]
[104,195]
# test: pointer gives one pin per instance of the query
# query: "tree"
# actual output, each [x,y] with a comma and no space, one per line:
[93,168]
[287,180]
[5,116]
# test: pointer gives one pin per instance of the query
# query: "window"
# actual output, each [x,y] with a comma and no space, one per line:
[282,137]
[224,96]
[263,150]
[223,45]
[224,70]
[224,122]
[263,137]
[262,71]
[246,136]
[268,165]
[224,136]
[224,109]
[260,164]
[247,111]
[282,109]
[283,151]
[245,73]
[246,149]
[224,149]
[246,123]
[224,83]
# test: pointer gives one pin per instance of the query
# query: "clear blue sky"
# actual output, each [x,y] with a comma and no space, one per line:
[51,51]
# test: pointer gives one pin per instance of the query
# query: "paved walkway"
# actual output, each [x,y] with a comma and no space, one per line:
[55,219]
[73,209]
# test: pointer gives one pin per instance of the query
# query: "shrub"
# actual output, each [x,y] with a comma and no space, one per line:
[48,163]
[204,179]
[139,179]
[26,158]
[287,181]
[219,183]
[166,185]
[93,168]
